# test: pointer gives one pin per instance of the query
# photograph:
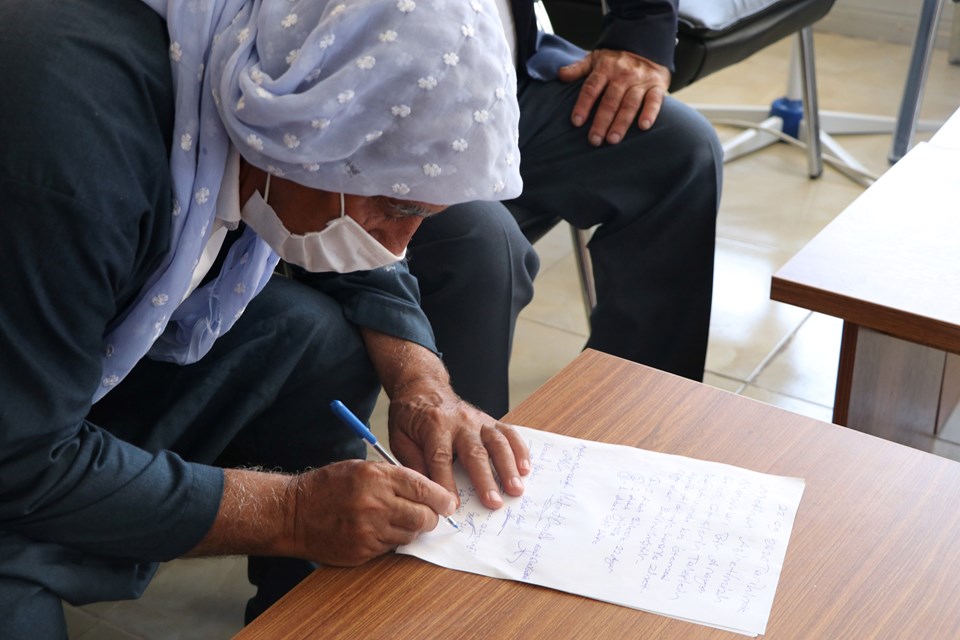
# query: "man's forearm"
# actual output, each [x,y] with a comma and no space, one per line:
[255,516]
[431,426]
[401,363]
[257,511]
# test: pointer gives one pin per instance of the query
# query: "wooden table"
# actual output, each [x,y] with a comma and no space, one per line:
[873,554]
[889,266]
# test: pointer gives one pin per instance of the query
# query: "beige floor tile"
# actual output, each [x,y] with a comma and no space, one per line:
[78,621]
[796,405]
[192,599]
[554,246]
[806,368]
[947,449]
[105,631]
[770,201]
[557,299]
[853,75]
[378,421]
[869,76]
[722,382]
[745,324]
[539,352]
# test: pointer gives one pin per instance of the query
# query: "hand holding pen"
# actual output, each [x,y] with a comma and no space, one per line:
[352,421]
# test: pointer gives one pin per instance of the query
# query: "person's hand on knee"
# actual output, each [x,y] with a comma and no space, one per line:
[623,87]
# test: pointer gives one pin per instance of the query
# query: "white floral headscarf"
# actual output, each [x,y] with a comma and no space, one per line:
[414,99]
[373,97]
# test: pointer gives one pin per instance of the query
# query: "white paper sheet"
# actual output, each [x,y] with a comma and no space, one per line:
[694,540]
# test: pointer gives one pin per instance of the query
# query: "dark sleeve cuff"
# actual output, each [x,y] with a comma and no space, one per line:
[651,33]
[190,507]
[205,489]
[385,300]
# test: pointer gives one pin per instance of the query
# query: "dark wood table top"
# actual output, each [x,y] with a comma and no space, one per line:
[874,551]
[891,260]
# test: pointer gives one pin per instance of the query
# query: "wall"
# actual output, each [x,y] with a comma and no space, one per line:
[890,20]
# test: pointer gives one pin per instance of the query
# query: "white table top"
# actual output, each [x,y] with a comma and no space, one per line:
[949,134]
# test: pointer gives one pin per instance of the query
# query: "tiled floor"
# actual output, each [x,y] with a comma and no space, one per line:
[762,349]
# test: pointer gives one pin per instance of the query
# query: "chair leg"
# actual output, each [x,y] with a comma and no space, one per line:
[792,115]
[954,55]
[916,77]
[811,110]
[584,268]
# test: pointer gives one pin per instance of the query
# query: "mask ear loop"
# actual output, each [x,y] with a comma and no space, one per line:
[343,208]
[266,190]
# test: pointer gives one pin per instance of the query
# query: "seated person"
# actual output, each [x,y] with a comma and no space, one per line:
[602,146]
[162,394]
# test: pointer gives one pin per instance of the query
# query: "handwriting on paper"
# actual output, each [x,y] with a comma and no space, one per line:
[695,540]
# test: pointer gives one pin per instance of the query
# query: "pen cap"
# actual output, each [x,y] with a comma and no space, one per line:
[352,421]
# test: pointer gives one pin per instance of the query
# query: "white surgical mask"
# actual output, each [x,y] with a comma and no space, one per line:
[343,246]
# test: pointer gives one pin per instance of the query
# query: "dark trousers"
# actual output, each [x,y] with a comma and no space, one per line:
[654,199]
[260,397]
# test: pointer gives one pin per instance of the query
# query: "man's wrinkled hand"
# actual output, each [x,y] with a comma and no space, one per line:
[624,87]
[349,512]
[429,430]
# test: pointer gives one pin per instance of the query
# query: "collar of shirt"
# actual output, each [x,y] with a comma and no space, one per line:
[227,218]
[509,28]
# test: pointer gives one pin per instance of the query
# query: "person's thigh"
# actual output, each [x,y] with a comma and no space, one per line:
[475,271]
[35,576]
[653,199]
[264,389]
[29,611]
[565,177]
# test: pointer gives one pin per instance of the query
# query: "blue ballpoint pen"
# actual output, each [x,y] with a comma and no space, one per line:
[361,430]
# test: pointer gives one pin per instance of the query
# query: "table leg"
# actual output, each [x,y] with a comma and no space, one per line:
[848,356]
[950,392]
[889,387]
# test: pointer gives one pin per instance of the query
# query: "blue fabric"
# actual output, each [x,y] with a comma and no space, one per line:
[260,73]
[197,173]
[552,53]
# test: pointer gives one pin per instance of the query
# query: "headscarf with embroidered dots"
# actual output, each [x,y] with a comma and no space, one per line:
[414,99]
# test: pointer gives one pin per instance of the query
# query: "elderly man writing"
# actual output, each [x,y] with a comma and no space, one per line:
[157,161]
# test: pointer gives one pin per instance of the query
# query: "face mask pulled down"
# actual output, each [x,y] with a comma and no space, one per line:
[342,247]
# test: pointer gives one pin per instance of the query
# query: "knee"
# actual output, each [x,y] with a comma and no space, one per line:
[29,611]
[695,139]
[477,244]
[306,336]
